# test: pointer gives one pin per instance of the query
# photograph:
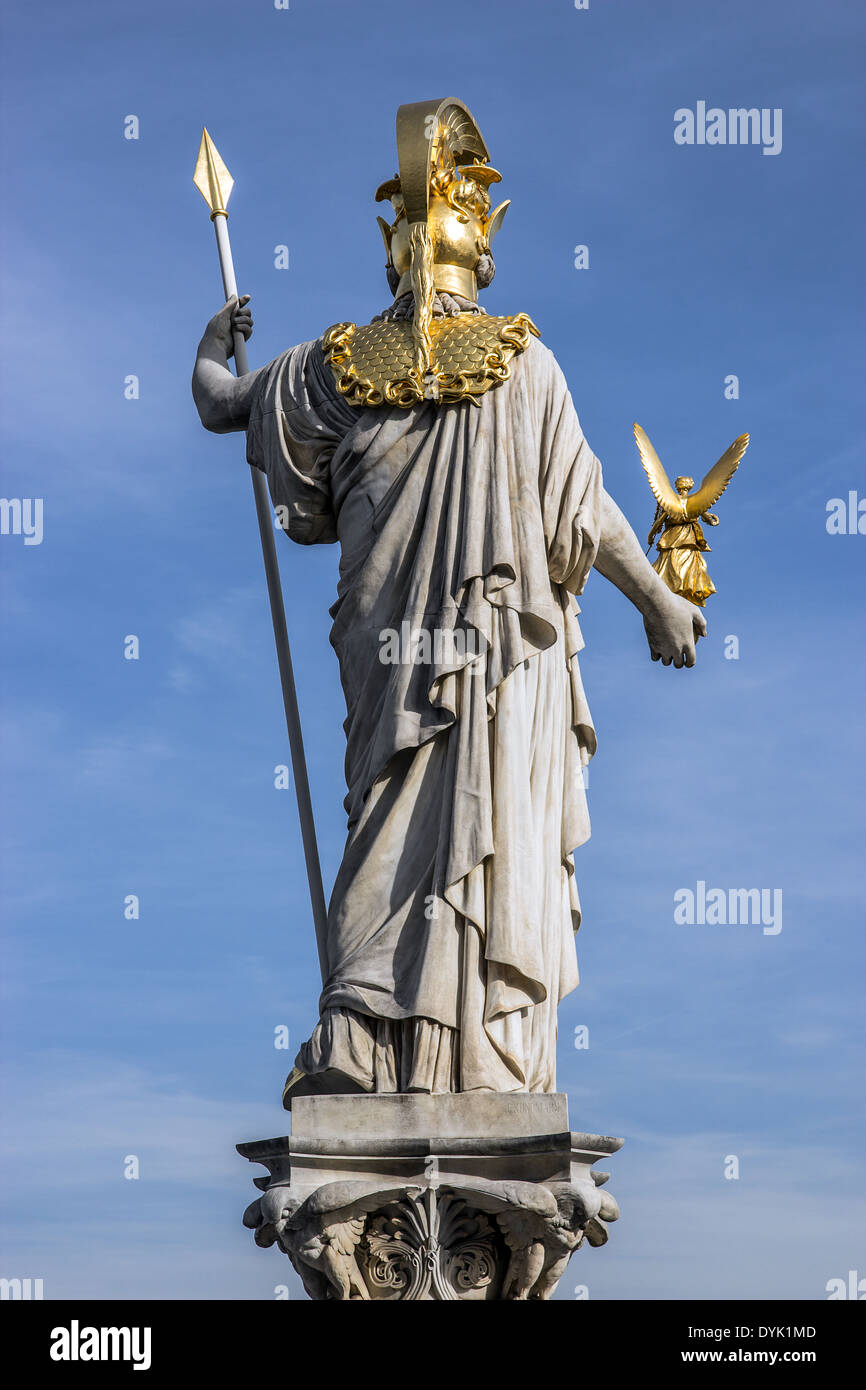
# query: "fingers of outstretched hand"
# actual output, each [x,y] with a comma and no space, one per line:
[686,657]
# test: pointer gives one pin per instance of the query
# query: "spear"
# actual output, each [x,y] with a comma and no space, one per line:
[215,184]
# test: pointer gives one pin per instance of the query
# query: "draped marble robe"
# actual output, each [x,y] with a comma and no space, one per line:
[451,924]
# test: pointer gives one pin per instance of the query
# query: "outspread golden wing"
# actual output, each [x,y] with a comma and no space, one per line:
[665,494]
[718,478]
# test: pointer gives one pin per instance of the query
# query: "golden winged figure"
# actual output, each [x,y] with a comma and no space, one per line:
[681,545]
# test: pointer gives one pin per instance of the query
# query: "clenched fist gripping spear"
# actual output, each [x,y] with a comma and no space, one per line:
[215,184]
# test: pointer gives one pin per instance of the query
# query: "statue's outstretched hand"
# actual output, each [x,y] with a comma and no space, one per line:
[233,317]
[673,626]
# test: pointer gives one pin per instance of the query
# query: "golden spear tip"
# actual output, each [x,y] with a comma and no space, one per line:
[211,177]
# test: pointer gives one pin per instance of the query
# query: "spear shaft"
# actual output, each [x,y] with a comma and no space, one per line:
[212,173]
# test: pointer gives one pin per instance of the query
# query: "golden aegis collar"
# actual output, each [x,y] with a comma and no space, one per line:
[375,364]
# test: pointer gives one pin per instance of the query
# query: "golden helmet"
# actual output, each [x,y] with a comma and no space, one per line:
[443,223]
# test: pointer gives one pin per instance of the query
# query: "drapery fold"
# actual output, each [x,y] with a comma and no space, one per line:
[465,531]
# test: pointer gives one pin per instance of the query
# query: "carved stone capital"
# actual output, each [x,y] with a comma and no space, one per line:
[436,1218]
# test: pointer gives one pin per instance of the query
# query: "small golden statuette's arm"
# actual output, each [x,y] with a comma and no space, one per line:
[679,512]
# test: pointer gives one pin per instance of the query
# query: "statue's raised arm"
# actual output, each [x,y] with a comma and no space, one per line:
[223,399]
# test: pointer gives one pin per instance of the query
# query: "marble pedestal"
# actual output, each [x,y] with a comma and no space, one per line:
[472,1196]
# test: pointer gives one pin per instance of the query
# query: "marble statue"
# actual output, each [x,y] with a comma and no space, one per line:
[439,446]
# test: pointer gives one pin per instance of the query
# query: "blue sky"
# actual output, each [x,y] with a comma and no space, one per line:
[155,777]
